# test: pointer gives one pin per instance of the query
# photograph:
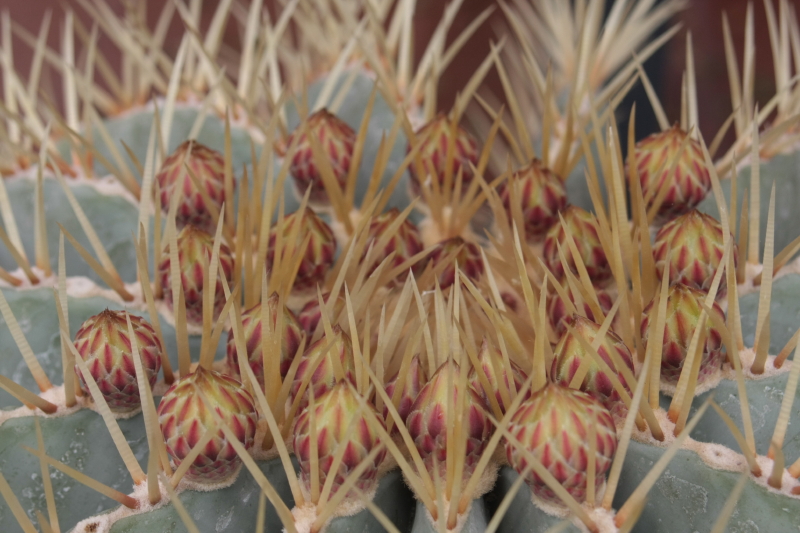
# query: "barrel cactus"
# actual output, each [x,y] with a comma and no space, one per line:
[439,348]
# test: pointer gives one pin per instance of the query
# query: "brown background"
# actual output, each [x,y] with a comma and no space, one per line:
[702,17]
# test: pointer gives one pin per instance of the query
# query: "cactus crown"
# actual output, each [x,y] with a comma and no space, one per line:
[490,277]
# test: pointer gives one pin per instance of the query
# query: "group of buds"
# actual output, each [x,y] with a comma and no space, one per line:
[193,179]
[192,185]
[205,401]
[192,406]
[689,249]
[208,405]
[552,425]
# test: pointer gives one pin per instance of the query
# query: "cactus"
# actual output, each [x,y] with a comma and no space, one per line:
[456,251]
[320,366]
[310,314]
[405,241]
[432,412]
[442,141]
[684,307]
[339,422]
[317,257]
[540,195]
[413,382]
[497,382]
[89,214]
[557,310]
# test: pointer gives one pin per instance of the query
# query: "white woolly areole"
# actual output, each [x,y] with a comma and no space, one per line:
[202,486]
[55,395]
[107,185]
[487,480]
[305,516]
[603,518]
[711,381]
[102,523]
[747,357]
[751,271]
[717,456]
[485,484]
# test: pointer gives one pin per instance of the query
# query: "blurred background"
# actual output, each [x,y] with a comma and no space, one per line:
[701,17]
